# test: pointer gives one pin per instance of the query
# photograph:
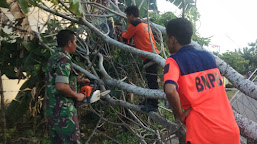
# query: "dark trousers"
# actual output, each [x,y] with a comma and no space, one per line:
[151,76]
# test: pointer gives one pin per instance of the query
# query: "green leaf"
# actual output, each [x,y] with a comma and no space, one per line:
[27,45]
[9,72]
[24,6]
[3,4]
[29,62]
[37,67]
[55,2]
[4,34]
[76,8]
[43,50]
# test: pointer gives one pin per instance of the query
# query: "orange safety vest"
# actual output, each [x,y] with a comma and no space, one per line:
[139,32]
[199,84]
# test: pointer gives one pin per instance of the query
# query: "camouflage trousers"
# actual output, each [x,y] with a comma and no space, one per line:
[64,130]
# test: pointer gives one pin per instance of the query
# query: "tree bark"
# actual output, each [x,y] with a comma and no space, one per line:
[248,128]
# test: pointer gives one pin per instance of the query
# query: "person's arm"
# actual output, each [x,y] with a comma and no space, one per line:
[63,71]
[83,81]
[65,89]
[171,78]
[174,100]
[126,36]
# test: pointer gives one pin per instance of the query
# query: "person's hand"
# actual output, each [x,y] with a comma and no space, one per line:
[80,97]
[84,82]
[185,114]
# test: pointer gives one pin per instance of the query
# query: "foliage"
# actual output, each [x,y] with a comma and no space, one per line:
[162,19]
[124,138]
[236,61]
[3,4]
[243,60]
[164,112]
[249,53]
[76,7]
[24,6]
[23,59]
[192,15]
[23,134]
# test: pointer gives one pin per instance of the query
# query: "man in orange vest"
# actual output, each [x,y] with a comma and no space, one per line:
[193,81]
[138,30]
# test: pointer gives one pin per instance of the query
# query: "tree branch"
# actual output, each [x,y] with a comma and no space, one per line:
[140,5]
[163,121]
[161,40]
[149,93]
[248,128]
[121,14]
[183,8]
[93,132]
[158,59]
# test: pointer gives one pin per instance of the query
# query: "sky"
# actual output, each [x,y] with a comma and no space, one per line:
[232,24]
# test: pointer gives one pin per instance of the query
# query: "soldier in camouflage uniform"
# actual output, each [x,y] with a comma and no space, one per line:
[61,92]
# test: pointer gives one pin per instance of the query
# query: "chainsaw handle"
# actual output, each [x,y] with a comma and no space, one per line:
[86,100]
[86,90]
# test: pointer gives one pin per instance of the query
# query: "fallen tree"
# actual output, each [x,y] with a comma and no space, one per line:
[96,46]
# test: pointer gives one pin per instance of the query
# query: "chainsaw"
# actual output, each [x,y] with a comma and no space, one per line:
[91,93]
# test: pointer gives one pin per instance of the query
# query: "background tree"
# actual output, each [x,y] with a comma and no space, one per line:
[249,53]
[235,60]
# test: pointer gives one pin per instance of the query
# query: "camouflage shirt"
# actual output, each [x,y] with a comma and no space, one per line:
[59,69]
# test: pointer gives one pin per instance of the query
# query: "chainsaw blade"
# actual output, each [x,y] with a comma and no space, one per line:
[105,92]
[95,96]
